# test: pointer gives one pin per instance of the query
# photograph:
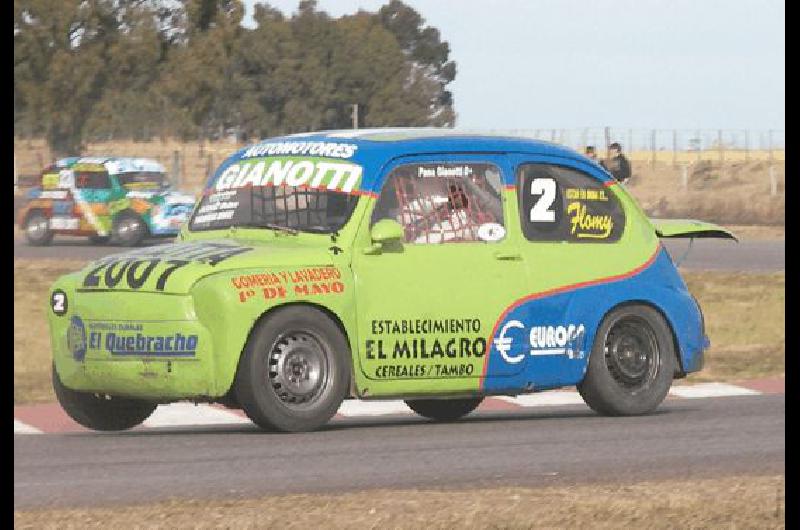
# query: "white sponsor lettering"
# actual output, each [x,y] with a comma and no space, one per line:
[53,195]
[339,176]
[544,340]
[503,343]
[327,149]
[557,340]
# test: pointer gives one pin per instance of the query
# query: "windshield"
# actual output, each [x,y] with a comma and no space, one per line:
[305,194]
[143,180]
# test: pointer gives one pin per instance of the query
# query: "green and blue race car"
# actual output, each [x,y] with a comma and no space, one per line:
[420,264]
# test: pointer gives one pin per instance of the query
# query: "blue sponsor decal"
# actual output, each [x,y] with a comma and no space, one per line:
[76,338]
[129,339]
[544,341]
[177,345]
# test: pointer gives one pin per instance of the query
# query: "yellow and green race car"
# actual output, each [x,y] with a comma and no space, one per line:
[420,264]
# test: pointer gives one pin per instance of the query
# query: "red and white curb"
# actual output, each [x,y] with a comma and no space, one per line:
[50,418]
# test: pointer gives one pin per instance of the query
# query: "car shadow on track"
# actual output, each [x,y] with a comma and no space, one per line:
[399,421]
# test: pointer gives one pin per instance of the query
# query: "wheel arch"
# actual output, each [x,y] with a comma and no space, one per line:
[26,215]
[680,372]
[129,212]
[266,314]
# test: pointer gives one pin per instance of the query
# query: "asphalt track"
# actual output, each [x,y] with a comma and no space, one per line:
[546,446]
[705,254]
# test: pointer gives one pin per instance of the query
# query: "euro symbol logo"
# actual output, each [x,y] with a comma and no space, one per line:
[503,343]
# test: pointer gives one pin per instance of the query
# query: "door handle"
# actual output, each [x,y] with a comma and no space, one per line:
[508,256]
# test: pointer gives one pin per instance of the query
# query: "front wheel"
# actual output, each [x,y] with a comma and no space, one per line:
[632,363]
[100,412]
[444,409]
[294,371]
[129,230]
[37,230]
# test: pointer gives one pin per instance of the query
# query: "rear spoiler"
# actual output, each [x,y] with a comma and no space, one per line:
[690,228]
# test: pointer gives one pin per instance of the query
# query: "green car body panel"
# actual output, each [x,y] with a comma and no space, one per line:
[170,322]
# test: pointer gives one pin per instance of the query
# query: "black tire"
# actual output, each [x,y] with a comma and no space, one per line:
[294,371]
[632,363]
[444,409]
[97,239]
[129,230]
[100,412]
[37,229]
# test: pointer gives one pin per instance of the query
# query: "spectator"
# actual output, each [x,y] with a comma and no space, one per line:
[617,164]
[590,152]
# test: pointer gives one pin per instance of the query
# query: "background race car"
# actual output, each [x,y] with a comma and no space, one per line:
[104,198]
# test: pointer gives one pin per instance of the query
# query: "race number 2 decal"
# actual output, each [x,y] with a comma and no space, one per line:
[541,211]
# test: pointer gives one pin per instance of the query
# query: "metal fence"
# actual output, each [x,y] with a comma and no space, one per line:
[191,163]
[670,145]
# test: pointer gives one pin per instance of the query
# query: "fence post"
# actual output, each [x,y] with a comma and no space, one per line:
[720,147]
[685,176]
[176,168]
[746,145]
[553,135]
[769,146]
[653,148]
[699,145]
[674,148]
[773,181]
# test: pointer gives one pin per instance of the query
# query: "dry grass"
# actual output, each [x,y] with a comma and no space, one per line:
[731,502]
[736,193]
[744,316]
[744,319]
[32,281]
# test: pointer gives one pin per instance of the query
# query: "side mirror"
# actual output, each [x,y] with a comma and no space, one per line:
[385,232]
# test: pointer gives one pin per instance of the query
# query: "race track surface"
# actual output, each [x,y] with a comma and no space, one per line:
[706,254]
[545,446]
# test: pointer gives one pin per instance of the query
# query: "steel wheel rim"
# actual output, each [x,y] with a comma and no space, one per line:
[37,227]
[127,227]
[632,353]
[298,369]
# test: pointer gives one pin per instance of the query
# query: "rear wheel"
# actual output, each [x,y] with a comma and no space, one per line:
[37,229]
[632,363]
[444,409]
[101,412]
[294,371]
[129,230]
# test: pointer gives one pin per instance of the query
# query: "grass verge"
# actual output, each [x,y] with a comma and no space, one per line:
[744,319]
[744,316]
[32,281]
[730,502]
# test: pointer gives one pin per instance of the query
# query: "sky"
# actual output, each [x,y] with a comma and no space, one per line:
[670,64]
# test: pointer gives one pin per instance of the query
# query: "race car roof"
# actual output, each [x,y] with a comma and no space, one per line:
[114,164]
[372,148]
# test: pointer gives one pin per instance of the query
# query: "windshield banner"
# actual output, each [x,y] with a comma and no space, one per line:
[319,173]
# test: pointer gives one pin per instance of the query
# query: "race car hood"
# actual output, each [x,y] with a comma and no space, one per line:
[690,228]
[174,268]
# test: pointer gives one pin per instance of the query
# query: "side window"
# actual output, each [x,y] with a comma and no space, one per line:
[92,180]
[563,204]
[445,202]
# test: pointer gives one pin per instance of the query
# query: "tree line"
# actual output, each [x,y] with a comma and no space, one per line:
[88,70]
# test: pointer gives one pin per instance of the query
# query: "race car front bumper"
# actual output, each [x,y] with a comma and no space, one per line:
[147,345]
